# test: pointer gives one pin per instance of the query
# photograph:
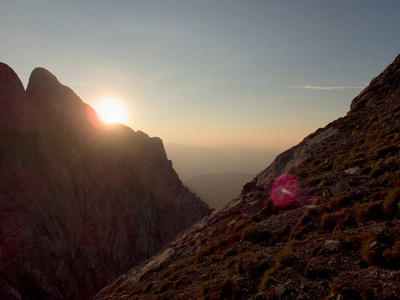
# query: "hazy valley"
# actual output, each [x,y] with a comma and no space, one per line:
[218,189]
[218,174]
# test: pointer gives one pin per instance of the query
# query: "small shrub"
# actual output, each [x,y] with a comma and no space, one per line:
[391,256]
[328,222]
[377,170]
[278,235]
[347,219]
[242,262]
[390,179]
[178,282]
[368,211]
[234,250]
[353,242]
[300,228]
[228,288]
[249,233]
[257,218]
[373,247]
[165,273]
[164,286]
[266,279]
[390,204]
[271,294]
[269,207]
[230,261]
[258,269]
[339,201]
[315,250]
[386,151]
[205,289]
[255,235]
[148,288]
[368,253]
[235,226]
[281,259]
[211,273]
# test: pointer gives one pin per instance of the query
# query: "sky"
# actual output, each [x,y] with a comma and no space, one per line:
[207,73]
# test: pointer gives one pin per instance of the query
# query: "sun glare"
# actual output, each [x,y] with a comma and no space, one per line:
[111,110]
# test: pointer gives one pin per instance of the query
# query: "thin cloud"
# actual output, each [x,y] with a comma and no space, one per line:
[78,83]
[326,88]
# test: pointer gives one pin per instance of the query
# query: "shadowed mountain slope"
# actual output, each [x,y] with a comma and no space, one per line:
[80,202]
[339,237]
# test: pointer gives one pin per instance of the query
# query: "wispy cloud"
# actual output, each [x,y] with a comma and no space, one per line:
[327,88]
[78,83]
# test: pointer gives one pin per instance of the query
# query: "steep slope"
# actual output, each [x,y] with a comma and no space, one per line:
[333,232]
[80,202]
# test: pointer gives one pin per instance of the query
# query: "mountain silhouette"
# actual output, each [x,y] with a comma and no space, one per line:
[81,202]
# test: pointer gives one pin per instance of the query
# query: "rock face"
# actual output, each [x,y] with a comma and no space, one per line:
[338,239]
[80,202]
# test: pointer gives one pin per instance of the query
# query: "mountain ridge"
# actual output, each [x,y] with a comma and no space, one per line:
[80,201]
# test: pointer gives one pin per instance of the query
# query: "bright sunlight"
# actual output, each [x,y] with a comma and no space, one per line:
[111,110]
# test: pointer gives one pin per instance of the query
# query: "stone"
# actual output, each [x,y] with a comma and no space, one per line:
[339,187]
[280,289]
[332,245]
[353,171]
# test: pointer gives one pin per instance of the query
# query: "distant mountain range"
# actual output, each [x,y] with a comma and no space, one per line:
[217,174]
[193,161]
[321,222]
[218,189]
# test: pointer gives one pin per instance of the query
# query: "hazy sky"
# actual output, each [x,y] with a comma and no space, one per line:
[251,72]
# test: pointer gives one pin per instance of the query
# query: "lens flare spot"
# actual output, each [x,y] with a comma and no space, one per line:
[283,190]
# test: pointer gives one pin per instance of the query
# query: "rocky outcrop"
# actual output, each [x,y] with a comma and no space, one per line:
[80,202]
[338,238]
[380,87]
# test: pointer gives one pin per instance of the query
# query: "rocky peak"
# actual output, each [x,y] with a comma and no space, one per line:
[9,81]
[380,87]
[13,101]
[47,92]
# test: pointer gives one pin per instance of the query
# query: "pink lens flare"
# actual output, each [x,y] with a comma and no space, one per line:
[283,190]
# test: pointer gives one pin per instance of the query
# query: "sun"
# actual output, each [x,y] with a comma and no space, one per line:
[111,110]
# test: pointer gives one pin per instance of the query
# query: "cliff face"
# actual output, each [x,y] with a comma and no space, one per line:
[80,202]
[322,221]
